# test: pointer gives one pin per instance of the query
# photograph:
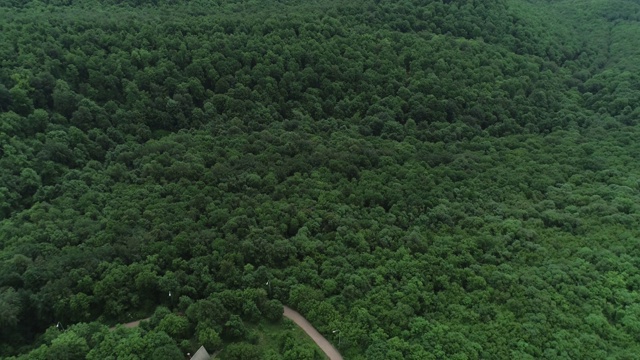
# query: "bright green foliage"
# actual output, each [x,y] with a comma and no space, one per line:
[68,346]
[431,179]
[209,338]
[176,326]
[135,344]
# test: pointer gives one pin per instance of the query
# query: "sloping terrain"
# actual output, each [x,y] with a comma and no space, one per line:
[438,180]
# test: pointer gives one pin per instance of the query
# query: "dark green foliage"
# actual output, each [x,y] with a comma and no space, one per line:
[167,352]
[209,311]
[234,329]
[430,179]
[273,310]
[291,349]
[242,351]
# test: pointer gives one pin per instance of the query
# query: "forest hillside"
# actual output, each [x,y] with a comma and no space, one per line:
[421,179]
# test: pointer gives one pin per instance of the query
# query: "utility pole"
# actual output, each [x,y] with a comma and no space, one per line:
[337,332]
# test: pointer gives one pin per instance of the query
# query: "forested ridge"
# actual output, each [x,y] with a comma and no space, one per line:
[433,179]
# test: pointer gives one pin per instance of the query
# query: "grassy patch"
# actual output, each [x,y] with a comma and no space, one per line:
[283,340]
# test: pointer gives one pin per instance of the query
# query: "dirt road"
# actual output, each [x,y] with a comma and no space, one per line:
[131,324]
[134,323]
[324,345]
[306,326]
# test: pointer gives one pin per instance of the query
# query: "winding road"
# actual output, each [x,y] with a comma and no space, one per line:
[134,323]
[324,345]
[320,340]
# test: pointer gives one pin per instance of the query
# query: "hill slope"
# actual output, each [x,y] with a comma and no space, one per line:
[434,179]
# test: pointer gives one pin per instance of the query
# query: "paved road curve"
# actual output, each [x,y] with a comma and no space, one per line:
[134,323]
[306,326]
[324,345]
[130,324]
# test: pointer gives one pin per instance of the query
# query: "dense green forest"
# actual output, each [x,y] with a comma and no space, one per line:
[436,179]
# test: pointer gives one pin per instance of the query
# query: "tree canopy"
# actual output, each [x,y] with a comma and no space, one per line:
[432,179]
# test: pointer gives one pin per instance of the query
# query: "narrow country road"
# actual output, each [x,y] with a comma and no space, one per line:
[131,324]
[324,345]
[294,316]
[134,323]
